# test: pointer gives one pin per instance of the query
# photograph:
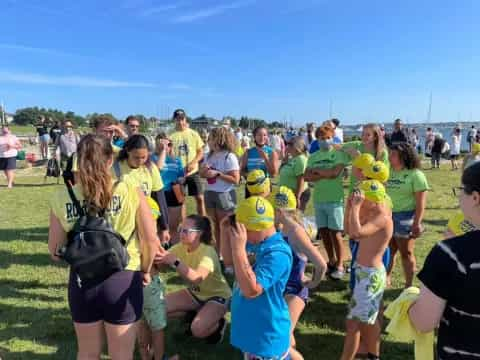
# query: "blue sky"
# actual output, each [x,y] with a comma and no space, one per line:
[274,59]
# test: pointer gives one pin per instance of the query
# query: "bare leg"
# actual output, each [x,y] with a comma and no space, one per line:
[144,338]
[175,218]
[295,307]
[158,342]
[200,205]
[10,174]
[406,248]
[207,320]
[179,302]
[219,216]
[327,242]
[212,214]
[391,265]
[339,247]
[90,340]
[352,340]
[121,340]
[371,336]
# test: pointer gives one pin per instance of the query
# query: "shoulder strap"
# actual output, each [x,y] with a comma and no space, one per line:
[117,170]
[74,199]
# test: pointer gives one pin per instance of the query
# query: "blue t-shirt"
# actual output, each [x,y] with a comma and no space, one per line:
[171,171]
[119,142]
[254,161]
[261,325]
[314,145]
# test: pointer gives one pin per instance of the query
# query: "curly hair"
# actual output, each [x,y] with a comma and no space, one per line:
[223,139]
[407,154]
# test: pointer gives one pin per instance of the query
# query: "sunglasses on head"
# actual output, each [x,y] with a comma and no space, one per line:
[186,231]
[257,181]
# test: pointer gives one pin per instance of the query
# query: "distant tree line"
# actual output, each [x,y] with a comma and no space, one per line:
[32,115]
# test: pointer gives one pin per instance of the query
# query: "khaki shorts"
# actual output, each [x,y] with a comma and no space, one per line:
[154,308]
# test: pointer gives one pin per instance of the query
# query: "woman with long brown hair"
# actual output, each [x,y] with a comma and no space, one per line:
[113,305]
[222,171]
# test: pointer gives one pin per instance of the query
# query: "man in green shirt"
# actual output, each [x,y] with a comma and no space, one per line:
[325,169]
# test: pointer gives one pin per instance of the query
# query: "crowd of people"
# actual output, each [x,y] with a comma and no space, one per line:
[249,257]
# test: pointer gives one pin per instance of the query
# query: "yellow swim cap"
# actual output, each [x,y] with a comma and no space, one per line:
[377,171]
[154,208]
[283,198]
[256,213]
[458,225]
[257,182]
[375,191]
[363,161]
[475,148]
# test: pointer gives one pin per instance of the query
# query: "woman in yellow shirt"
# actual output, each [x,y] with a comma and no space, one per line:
[113,305]
[133,165]
[208,295]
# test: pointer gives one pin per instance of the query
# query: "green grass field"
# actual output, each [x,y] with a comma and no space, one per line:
[34,316]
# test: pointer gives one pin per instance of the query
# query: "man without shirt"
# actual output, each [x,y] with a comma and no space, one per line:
[368,220]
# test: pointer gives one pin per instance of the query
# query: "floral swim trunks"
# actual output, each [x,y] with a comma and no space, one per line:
[367,295]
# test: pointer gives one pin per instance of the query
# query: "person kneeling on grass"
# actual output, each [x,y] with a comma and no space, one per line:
[196,261]
[370,223]
[260,325]
[295,233]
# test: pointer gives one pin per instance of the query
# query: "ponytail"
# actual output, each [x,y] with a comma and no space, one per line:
[94,157]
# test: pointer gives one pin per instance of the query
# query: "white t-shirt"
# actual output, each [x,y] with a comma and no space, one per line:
[456,141]
[339,134]
[224,162]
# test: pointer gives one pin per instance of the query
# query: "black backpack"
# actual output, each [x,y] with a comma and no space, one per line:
[67,174]
[93,249]
[53,170]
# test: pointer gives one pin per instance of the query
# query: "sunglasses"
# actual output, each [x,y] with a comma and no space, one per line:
[187,231]
[256,182]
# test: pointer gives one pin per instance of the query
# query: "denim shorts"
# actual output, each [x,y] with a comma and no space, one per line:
[329,215]
[402,223]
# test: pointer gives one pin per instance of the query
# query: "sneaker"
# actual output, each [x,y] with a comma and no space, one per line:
[337,274]
[330,269]
[217,336]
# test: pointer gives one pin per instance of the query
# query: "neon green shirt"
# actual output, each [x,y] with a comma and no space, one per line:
[290,171]
[328,190]
[402,186]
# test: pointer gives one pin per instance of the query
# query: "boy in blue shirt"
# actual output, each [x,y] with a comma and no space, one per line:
[259,288]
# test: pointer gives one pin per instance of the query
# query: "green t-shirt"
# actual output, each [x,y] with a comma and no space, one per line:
[327,190]
[402,186]
[358,145]
[290,171]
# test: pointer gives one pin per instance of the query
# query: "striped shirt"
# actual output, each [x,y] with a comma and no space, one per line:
[452,272]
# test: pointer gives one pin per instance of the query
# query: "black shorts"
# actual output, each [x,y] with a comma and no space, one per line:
[454,156]
[9,163]
[171,199]
[117,300]
[194,185]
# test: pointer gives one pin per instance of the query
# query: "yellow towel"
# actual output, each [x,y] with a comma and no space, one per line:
[402,329]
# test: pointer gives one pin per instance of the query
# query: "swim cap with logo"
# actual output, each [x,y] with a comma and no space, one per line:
[257,182]
[375,191]
[377,171]
[363,161]
[283,198]
[256,213]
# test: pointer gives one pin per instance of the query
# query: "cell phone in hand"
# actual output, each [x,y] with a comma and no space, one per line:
[233,220]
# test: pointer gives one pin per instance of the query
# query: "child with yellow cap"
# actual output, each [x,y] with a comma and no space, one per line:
[369,221]
[294,233]
[259,287]
[258,183]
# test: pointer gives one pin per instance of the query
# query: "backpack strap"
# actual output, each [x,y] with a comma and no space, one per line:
[74,199]
[116,169]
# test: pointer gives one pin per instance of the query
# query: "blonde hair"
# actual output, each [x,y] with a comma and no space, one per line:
[94,156]
[298,144]
[223,139]
[378,140]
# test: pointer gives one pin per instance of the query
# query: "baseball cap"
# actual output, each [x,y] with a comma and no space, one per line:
[375,191]
[154,208]
[363,161]
[256,213]
[257,182]
[179,113]
[283,198]
[377,171]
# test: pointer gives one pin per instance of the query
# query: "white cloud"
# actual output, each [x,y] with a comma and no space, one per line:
[32,49]
[76,81]
[209,12]
[159,9]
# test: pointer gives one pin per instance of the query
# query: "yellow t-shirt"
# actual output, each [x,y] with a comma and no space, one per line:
[121,214]
[186,143]
[146,179]
[204,256]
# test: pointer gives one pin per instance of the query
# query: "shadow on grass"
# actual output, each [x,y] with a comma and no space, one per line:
[26,234]
[7,259]
[440,222]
